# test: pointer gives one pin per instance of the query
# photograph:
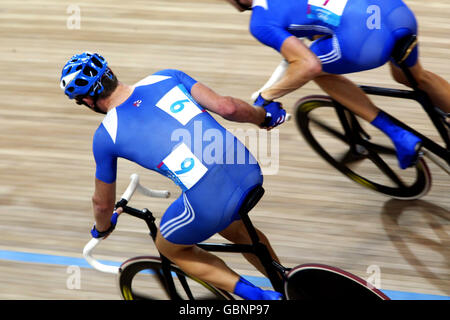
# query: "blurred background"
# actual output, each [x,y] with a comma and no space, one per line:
[310,212]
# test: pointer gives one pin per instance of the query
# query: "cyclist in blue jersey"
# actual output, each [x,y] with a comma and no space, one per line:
[143,124]
[348,36]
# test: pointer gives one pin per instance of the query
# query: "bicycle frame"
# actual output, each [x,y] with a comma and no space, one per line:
[417,95]
[425,102]
[275,271]
[279,276]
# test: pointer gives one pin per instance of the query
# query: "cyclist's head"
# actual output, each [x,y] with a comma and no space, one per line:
[87,75]
[241,5]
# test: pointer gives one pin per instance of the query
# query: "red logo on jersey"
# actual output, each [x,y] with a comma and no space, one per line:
[137,103]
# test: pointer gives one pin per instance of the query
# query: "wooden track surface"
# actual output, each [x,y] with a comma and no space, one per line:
[310,212]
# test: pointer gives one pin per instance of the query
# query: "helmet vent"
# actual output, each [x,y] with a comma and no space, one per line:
[90,72]
[81,82]
[97,63]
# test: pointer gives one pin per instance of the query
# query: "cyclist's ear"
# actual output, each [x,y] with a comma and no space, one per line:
[88,101]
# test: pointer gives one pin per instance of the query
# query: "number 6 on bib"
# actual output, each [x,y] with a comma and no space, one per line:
[178,104]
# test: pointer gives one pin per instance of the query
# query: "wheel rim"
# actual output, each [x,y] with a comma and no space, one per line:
[320,282]
[142,278]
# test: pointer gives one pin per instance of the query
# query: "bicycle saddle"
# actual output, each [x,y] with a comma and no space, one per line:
[403,48]
[251,200]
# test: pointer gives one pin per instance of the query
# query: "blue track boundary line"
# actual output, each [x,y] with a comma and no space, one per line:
[28,257]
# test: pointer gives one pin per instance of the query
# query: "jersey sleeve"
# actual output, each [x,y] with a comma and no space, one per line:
[106,161]
[182,77]
[267,31]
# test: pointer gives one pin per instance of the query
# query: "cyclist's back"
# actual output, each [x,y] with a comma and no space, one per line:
[162,128]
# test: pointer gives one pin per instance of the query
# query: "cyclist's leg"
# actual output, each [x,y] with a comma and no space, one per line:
[237,233]
[199,263]
[348,94]
[338,57]
[437,88]
[369,50]
[183,225]
[210,268]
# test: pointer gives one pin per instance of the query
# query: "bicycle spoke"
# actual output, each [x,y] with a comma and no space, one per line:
[329,129]
[379,148]
[350,157]
[379,162]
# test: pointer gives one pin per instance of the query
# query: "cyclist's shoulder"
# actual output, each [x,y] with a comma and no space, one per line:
[277,10]
[155,78]
[273,6]
[174,76]
[106,132]
[273,16]
[169,72]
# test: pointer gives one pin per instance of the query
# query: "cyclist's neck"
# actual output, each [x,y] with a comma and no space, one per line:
[119,96]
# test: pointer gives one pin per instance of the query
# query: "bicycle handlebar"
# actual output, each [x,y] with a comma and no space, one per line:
[133,186]
[87,253]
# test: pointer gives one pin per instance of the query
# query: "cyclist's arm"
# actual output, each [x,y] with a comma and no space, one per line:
[103,202]
[303,67]
[104,196]
[230,108]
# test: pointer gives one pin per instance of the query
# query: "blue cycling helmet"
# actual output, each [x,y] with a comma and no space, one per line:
[82,75]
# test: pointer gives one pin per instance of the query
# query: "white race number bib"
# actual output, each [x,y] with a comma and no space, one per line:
[179,105]
[182,166]
[328,11]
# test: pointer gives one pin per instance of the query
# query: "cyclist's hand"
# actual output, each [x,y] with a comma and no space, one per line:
[103,234]
[275,114]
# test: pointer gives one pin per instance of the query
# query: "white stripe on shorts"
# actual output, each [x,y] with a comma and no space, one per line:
[333,55]
[180,221]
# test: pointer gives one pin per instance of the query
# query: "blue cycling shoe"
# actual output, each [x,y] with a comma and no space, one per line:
[249,291]
[406,143]
[271,295]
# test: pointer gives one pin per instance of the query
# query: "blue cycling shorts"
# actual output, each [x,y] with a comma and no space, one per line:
[351,49]
[211,205]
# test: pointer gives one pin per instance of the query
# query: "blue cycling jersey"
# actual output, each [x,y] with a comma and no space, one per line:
[162,128]
[356,35]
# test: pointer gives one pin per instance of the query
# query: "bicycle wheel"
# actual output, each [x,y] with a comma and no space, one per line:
[142,278]
[316,281]
[365,155]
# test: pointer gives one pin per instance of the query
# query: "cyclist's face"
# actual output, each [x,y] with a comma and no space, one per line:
[90,103]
